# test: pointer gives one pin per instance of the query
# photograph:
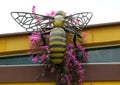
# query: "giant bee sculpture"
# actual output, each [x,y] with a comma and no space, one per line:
[56,26]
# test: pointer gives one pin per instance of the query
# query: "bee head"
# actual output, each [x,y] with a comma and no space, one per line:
[60,13]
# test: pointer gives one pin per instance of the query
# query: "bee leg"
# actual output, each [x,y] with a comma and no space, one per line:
[74,40]
[43,39]
[47,32]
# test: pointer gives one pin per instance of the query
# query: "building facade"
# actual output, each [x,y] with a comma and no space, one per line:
[102,45]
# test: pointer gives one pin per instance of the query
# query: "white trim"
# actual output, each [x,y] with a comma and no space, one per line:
[106,63]
[115,45]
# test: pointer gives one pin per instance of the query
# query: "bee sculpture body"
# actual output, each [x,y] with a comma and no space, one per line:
[58,38]
[57,26]
[57,44]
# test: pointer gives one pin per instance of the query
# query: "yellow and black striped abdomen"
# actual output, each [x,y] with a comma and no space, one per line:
[57,45]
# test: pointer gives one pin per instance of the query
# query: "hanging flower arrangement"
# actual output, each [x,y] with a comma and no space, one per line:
[70,71]
[49,37]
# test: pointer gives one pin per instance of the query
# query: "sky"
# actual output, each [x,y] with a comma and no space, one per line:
[104,11]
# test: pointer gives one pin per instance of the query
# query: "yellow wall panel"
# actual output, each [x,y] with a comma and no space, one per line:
[96,36]
[106,83]
[41,83]
[106,34]
[89,37]
[17,43]
[14,45]
[2,44]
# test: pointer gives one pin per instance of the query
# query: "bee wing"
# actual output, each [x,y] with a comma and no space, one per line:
[32,22]
[77,21]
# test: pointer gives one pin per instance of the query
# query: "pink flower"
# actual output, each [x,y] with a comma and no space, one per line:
[84,39]
[81,71]
[43,57]
[69,83]
[80,80]
[68,60]
[35,36]
[34,59]
[44,47]
[46,36]
[33,10]
[69,52]
[34,15]
[34,40]
[70,46]
[48,14]
[52,69]
[66,68]
[52,13]
[84,34]
[84,53]
[85,56]
[43,73]
[73,58]
[63,80]
[80,47]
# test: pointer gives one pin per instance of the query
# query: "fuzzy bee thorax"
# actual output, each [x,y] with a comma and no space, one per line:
[58,21]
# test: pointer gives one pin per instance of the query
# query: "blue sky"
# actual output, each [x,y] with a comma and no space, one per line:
[104,11]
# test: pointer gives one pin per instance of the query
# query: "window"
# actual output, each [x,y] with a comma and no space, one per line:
[104,55]
[96,55]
